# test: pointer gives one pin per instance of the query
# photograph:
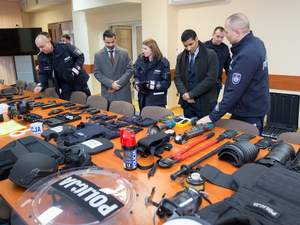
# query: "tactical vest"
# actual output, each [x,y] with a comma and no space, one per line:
[264,195]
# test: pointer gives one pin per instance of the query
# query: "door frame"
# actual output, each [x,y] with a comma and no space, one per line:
[134,25]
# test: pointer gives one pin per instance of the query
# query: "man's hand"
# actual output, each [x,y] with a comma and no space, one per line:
[186,96]
[115,86]
[37,89]
[111,91]
[204,120]
[191,100]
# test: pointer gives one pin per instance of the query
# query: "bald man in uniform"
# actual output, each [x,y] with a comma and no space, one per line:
[62,63]
[246,94]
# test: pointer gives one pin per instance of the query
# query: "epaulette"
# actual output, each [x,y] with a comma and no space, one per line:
[165,62]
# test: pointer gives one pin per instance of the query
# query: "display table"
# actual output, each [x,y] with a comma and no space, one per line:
[161,179]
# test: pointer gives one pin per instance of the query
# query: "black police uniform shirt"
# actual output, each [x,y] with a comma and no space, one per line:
[223,56]
[246,91]
[158,76]
[64,56]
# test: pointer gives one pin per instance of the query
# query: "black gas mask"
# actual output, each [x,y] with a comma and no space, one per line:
[183,203]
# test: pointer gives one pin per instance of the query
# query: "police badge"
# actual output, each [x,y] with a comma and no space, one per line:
[236,78]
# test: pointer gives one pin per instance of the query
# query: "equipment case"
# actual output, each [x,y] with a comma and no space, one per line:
[283,116]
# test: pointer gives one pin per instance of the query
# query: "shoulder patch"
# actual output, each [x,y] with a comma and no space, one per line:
[77,51]
[217,107]
[236,78]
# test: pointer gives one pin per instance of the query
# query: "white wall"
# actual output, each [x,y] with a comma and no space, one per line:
[53,15]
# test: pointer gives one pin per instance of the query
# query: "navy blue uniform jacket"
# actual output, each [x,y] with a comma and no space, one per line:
[159,77]
[246,91]
[64,56]
[223,56]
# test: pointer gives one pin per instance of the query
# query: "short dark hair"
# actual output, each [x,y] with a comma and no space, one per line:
[65,36]
[218,28]
[45,34]
[187,34]
[109,34]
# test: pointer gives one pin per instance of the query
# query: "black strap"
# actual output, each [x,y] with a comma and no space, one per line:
[153,166]
[222,208]
[217,177]
[56,137]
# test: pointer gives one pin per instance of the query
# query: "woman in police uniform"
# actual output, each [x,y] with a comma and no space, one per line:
[152,76]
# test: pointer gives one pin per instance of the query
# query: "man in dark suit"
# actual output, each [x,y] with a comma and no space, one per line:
[195,76]
[113,69]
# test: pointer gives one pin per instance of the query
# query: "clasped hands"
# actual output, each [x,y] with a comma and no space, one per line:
[114,86]
[187,98]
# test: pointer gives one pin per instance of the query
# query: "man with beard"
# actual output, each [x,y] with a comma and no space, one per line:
[113,69]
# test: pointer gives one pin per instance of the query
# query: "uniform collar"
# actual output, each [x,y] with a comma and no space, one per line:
[236,47]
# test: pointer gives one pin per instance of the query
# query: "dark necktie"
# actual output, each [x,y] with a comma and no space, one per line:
[192,64]
[112,58]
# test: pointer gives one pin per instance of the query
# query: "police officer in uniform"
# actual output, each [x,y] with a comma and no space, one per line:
[152,76]
[246,94]
[216,44]
[62,63]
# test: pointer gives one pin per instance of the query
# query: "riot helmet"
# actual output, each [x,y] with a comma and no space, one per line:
[32,167]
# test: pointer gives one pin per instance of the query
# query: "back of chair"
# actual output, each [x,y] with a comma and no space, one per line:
[78,97]
[291,137]
[97,101]
[1,81]
[21,84]
[155,112]
[238,125]
[31,86]
[122,107]
[51,92]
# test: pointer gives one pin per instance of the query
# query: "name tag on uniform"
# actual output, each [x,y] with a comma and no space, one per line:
[158,93]
[47,68]
[68,59]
